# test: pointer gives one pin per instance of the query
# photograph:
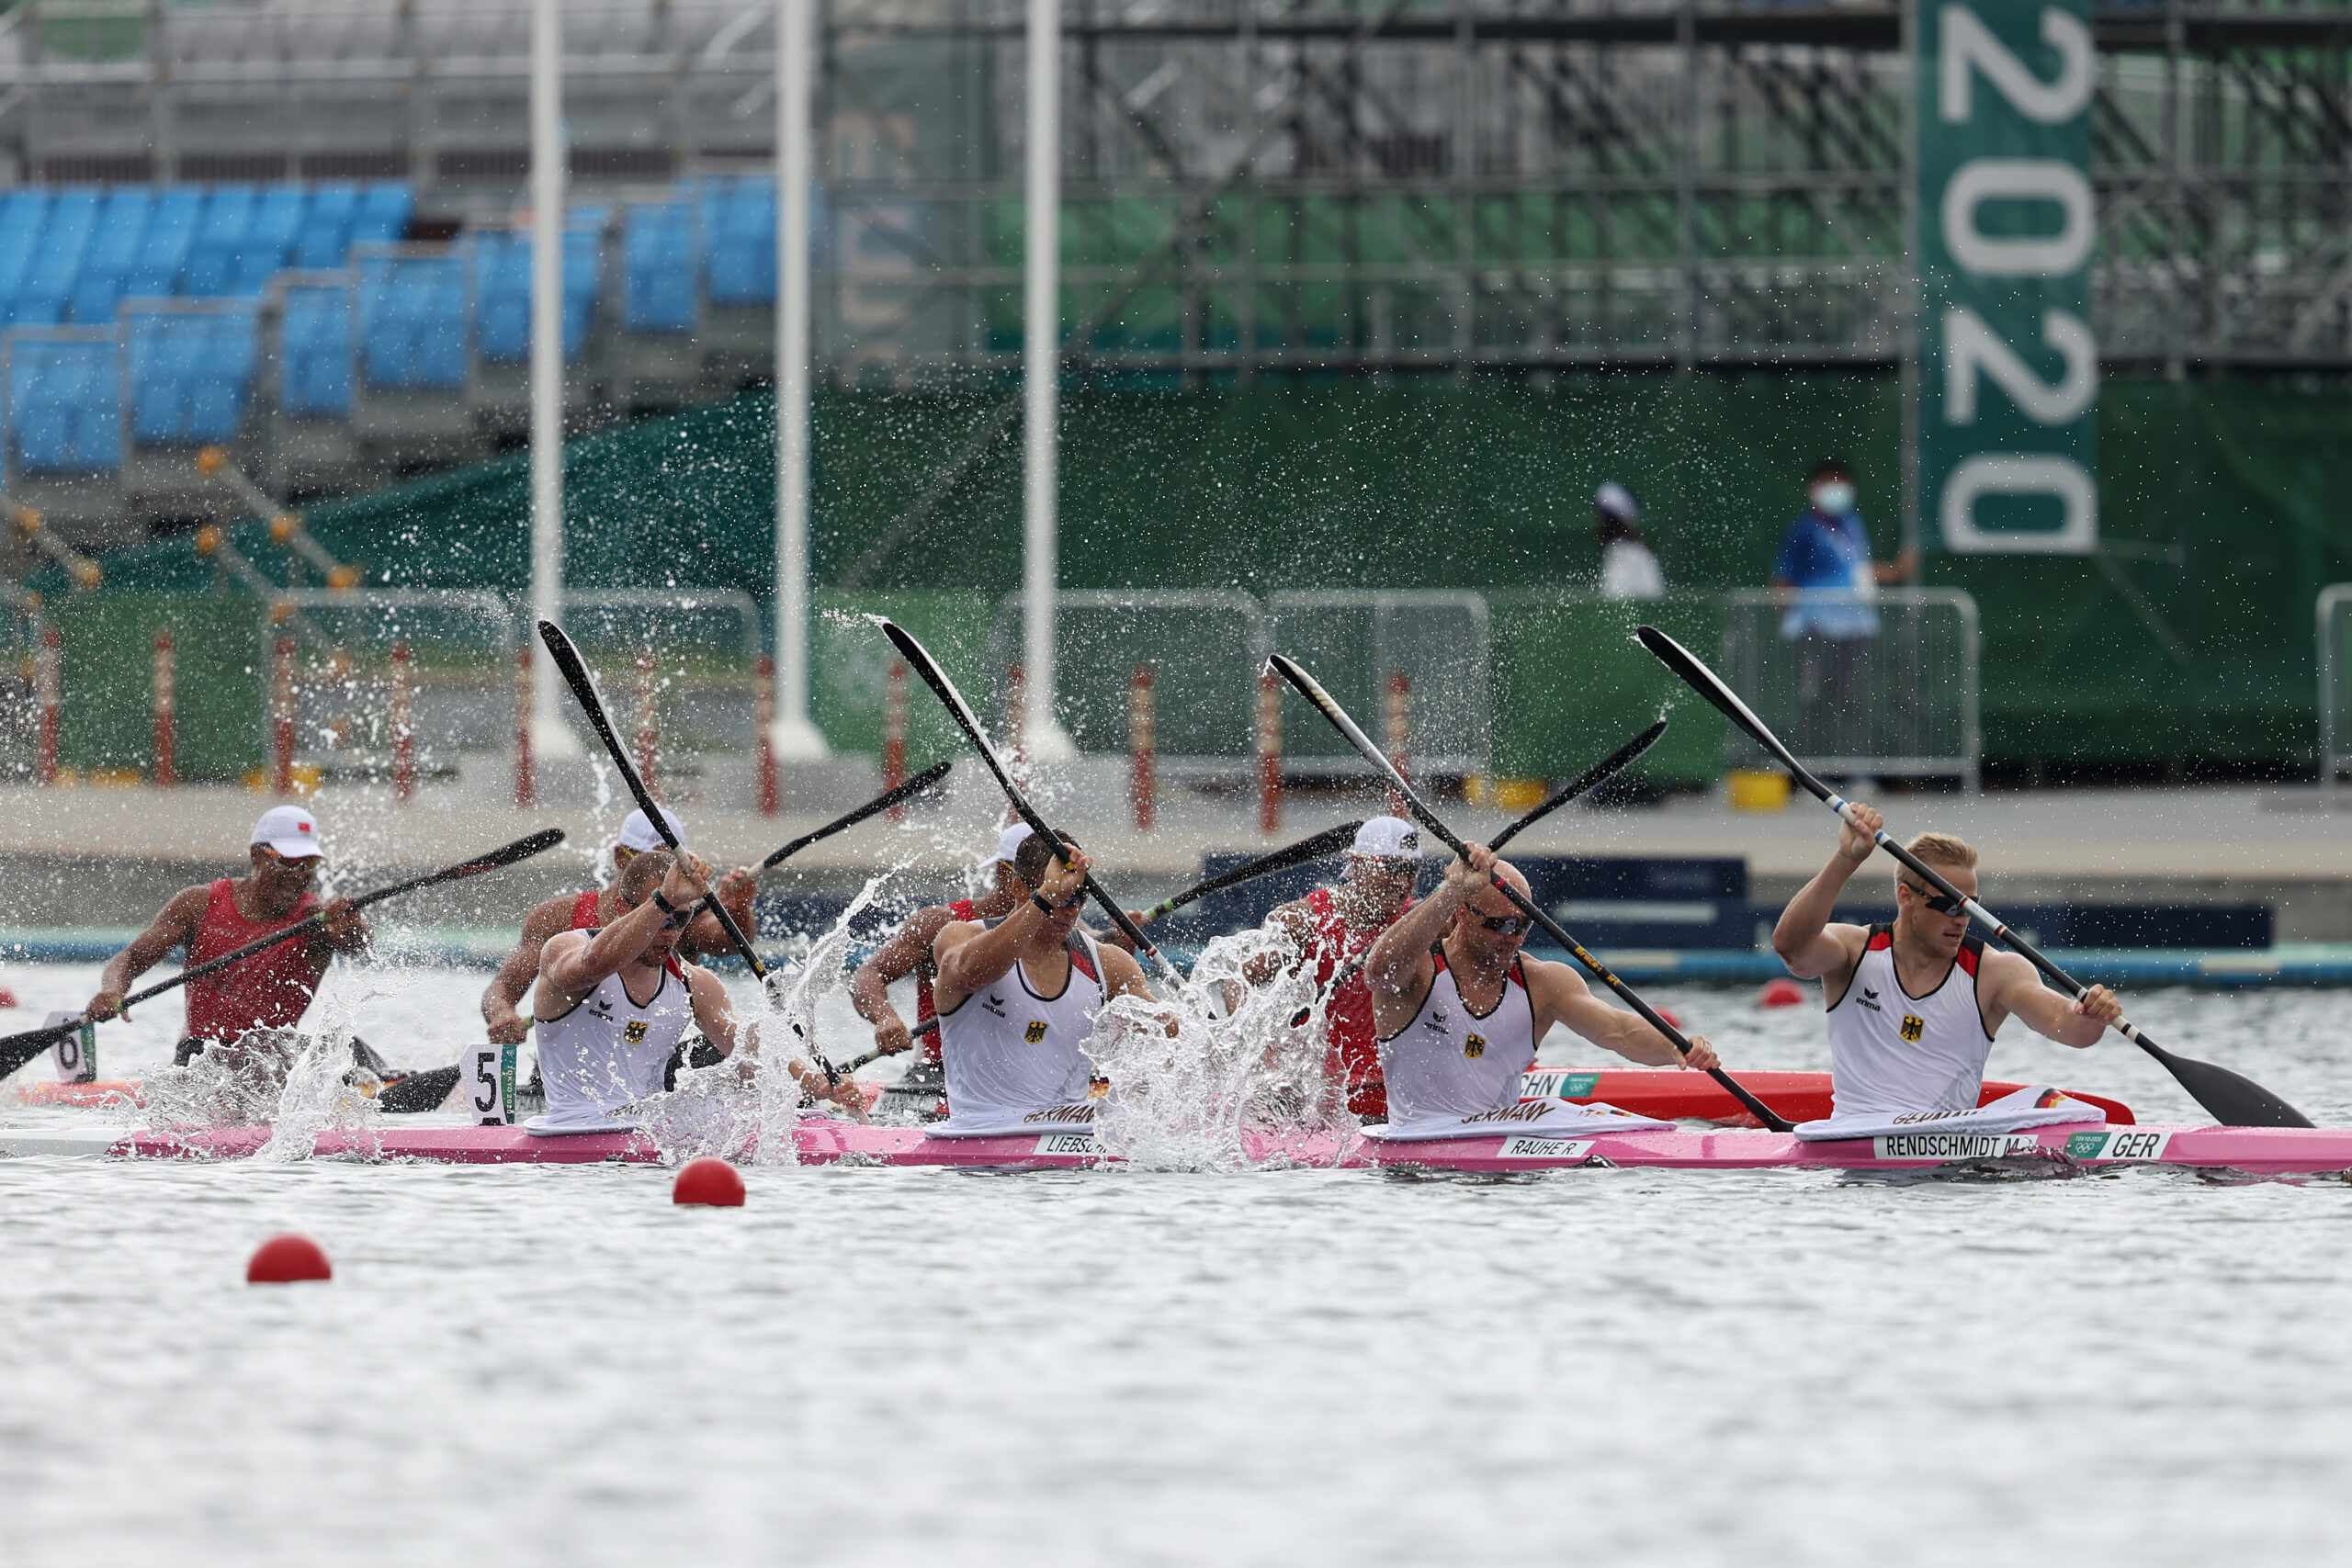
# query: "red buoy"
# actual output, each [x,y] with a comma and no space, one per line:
[7,998]
[1783,993]
[1672,1017]
[282,1260]
[711,1182]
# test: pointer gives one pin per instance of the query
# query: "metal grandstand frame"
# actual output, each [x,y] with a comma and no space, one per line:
[1527,185]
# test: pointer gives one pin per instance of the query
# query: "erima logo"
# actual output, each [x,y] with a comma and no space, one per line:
[994,1005]
[1036,1033]
[635,1032]
[1474,1048]
[1869,998]
[1914,1026]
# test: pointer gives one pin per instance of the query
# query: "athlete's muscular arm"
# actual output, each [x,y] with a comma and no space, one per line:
[2013,986]
[506,989]
[970,956]
[342,928]
[1561,996]
[1399,964]
[1806,940]
[1297,928]
[869,988]
[174,926]
[715,1015]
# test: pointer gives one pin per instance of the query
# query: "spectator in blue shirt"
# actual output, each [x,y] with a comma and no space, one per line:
[1826,576]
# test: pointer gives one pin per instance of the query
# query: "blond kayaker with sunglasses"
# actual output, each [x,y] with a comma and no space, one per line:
[1913,1004]
[1461,1010]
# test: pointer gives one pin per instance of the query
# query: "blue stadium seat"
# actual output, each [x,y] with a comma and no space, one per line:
[171,230]
[314,352]
[212,259]
[114,251]
[269,243]
[503,285]
[23,214]
[57,259]
[326,227]
[660,267]
[63,409]
[191,373]
[739,220]
[382,214]
[413,322]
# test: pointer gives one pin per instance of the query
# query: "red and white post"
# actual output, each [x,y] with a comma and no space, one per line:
[648,723]
[49,683]
[526,794]
[764,717]
[281,717]
[1269,752]
[403,725]
[894,732]
[1143,749]
[167,766]
[1397,732]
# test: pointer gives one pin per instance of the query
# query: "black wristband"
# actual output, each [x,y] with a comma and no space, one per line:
[663,904]
[1043,908]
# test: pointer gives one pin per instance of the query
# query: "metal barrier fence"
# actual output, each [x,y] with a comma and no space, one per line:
[2335,616]
[1881,683]
[1206,647]
[463,675]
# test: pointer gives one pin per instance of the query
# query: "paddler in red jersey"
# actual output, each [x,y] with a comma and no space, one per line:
[273,989]
[908,952]
[589,910]
[1332,928]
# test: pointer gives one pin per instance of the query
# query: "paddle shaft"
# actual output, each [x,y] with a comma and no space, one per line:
[1319,846]
[1707,683]
[1314,693]
[12,1049]
[953,701]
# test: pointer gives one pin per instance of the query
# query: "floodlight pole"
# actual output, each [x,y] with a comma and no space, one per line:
[1044,740]
[550,736]
[792,735]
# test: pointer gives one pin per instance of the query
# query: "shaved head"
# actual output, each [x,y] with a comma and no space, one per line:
[1491,900]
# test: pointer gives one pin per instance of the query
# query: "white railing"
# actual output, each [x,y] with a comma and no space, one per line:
[1879,683]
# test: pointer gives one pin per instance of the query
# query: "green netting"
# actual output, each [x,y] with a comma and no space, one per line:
[2190,638]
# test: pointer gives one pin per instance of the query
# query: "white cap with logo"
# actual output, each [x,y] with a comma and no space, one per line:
[1389,838]
[1007,843]
[289,831]
[637,833]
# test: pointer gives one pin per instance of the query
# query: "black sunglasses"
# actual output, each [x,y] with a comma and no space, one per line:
[1505,925]
[1941,903]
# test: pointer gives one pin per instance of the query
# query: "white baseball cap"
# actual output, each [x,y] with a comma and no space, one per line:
[289,831]
[1007,843]
[637,833]
[1389,838]
[1617,502]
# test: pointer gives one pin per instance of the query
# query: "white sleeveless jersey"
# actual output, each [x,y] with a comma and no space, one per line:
[1891,1051]
[1449,1062]
[1008,1051]
[608,1051]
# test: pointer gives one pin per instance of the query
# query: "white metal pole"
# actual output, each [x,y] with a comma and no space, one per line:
[550,736]
[1041,375]
[792,735]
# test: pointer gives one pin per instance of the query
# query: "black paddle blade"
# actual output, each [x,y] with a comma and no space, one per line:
[522,849]
[2228,1099]
[16,1049]
[1601,772]
[1709,685]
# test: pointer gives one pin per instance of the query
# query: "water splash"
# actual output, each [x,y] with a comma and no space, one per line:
[1206,1096]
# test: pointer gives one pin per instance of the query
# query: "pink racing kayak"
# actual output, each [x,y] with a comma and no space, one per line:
[2258,1151]
[1671,1095]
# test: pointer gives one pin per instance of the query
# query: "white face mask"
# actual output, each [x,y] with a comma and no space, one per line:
[1835,498]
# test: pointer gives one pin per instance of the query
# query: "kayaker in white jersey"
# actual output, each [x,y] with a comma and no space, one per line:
[1461,1010]
[1017,1000]
[1913,1007]
[612,1003]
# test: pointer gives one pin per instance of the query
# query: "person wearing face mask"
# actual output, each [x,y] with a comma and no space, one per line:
[1825,567]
